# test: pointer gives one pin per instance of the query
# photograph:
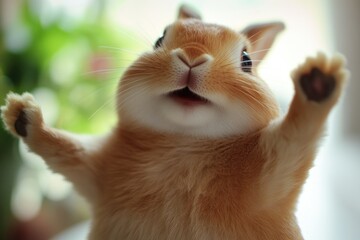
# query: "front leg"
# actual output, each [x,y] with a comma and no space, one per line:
[290,144]
[318,85]
[62,152]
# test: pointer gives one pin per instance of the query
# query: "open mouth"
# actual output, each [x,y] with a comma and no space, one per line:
[187,97]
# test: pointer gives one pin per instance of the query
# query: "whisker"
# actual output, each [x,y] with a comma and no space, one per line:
[131,82]
[259,39]
[120,69]
[101,107]
[131,96]
[225,54]
[250,38]
[109,84]
[262,50]
[145,36]
[117,60]
[135,37]
[105,70]
[117,50]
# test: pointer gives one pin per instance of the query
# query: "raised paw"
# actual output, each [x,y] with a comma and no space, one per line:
[320,78]
[20,112]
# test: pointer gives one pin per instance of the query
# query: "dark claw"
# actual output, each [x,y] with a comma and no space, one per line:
[316,85]
[20,124]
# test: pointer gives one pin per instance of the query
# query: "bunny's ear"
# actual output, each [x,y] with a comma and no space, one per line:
[187,12]
[262,37]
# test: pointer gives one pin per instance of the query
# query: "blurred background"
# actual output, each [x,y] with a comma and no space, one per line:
[70,55]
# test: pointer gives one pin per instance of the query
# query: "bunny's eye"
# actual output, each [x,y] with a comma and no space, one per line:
[246,62]
[160,40]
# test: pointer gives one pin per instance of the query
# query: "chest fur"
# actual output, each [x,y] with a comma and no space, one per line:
[183,182]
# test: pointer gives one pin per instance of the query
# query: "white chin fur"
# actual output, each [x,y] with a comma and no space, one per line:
[189,117]
[164,115]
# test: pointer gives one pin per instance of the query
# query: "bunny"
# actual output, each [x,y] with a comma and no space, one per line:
[200,151]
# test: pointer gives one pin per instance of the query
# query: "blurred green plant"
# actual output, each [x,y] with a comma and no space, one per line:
[67,63]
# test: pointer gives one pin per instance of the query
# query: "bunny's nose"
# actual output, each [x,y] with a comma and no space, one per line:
[190,71]
[203,59]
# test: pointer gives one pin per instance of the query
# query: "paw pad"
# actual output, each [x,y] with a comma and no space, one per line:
[20,124]
[320,79]
[316,85]
[20,114]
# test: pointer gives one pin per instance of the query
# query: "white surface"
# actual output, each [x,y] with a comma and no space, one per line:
[77,232]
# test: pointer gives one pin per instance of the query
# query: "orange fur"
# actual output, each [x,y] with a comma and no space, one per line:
[228,168]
